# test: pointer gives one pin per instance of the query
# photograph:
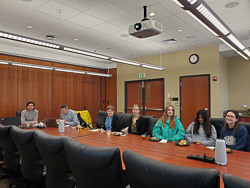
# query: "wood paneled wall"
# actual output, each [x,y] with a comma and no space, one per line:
[111,89]
[49,89]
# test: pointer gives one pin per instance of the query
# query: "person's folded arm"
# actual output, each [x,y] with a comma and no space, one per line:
[188,133]
[180,131]
[157,130]
[212,139]
[241,139]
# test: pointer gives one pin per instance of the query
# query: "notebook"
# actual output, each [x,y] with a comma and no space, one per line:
[50,122]
[11,121]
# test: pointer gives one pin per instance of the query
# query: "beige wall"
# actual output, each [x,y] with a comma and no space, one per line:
[239,83]
[223,76]
[177,65]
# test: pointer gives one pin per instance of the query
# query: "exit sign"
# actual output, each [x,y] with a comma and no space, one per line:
[142,75]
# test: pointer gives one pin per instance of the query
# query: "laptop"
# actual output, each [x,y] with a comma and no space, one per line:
[50,122]
[11,121]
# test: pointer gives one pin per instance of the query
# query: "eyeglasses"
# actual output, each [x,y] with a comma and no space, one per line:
[231,117]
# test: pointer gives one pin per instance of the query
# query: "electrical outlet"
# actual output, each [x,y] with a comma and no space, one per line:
[245,106]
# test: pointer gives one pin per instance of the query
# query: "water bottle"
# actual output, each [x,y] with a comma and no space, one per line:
[61,126]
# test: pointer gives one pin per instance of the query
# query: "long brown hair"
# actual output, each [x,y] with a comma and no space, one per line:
[237,123]
[206,123]
[164,118]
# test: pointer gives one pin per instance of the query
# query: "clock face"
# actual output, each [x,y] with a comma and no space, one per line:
[194,58]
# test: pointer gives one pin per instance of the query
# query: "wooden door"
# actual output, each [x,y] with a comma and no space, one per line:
[90,99]
[148,94]
[195,95]
[154,98]
[134,95]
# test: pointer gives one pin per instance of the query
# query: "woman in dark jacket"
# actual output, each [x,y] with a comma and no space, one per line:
[136,122]
[111,122]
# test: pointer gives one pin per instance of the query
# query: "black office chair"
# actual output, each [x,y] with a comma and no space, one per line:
[31,167]
[101,118]
[152,124]
[143,172]
[11,157]
[123,119]
[218,124]
[94,166]
[148,125]
[58,174]
[231,181]
[18,113]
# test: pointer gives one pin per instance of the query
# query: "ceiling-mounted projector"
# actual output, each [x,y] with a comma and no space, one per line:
[145,28]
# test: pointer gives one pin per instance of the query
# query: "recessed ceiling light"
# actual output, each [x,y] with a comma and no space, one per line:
[29,27]
[76,39]
[198,41]
[180,30]
[50,37]
[151,14]
[190,36]
[26,0]
[232,5]
[124,35]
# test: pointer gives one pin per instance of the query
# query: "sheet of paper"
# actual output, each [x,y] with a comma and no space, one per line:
[93,130]
[164,141]
[210,147]
[66,125]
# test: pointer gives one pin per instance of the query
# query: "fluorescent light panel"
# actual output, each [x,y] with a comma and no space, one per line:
[32,66]
[152,67]
[4,63]
[72,50]
[201,10]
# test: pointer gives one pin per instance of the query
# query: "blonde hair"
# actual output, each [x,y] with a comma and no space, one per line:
[136,105]
[110,107]
[164,117]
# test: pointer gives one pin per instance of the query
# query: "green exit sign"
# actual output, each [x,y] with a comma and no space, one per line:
[142,75]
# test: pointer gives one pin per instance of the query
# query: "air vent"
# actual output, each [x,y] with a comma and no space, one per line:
[169,41]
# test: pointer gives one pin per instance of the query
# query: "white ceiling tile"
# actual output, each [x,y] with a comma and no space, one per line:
[89,33]
[51,8]
[107,28]
[171,21]
[41,18]
[124,21]
[31,4]
[131,5]
[100,11]
[219,6]
[7,20]
[86,20]
[106,39]
[54,31]
[122,44]
[14,9]
[236,15]
[186,37]
[171,6]
[163,36]
[22,24]
[186,29]
[81,5]
[185,17]
[2,27]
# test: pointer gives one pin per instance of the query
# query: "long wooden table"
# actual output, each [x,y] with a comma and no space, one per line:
[238,162]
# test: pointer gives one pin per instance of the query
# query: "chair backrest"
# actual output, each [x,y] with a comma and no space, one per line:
[53,155]
[247,125]
[11,157]
[231,181]
[153,122]
[94,166]
[31,166]
[18,113]
[148,124]
[100,118]
[123,119]
[218,124]
[143,172]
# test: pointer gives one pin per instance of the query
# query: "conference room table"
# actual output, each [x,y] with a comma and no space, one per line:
[238,162]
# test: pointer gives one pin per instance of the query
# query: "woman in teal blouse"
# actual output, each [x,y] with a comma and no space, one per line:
[169,126]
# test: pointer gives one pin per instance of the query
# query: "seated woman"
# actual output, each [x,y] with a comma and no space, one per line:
[233,133]
[136,122]
[111,122]
[169,126]
[201,131]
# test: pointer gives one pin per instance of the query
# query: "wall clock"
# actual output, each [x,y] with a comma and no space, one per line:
[193,59]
